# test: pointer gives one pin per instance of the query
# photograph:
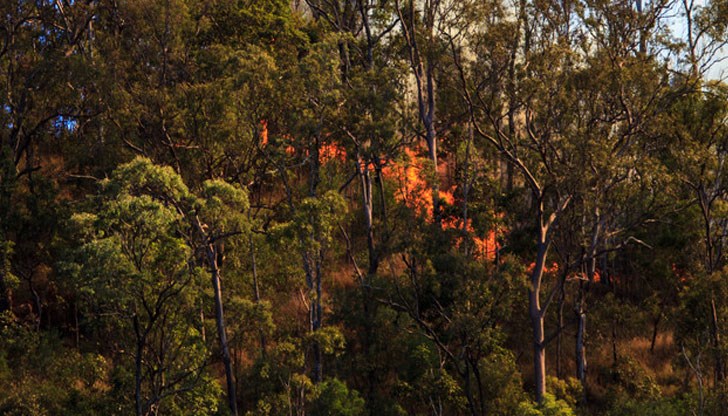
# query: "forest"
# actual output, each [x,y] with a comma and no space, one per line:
[364,207]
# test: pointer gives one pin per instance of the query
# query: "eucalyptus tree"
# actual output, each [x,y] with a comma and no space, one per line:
[698,129]
[699,118]
[423,28]
[46,84]
[568,112]
[135,265]
[146,245]
[372,92]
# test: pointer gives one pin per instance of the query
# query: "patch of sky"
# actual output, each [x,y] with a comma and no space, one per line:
[717,67]
[65,124]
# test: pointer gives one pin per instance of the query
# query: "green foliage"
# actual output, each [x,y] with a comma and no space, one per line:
[673,406]
[329,339]
[551,406]
[569,390]
[334,398]
[40,375]
[630,380]
[213,124]
[314,221]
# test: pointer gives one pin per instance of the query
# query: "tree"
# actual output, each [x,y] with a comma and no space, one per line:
[136,264]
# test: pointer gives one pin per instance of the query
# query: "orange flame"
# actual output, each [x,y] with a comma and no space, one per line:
[415,193]
[263,132]
[331,151]
[485,247]
[546,268]
[584,276]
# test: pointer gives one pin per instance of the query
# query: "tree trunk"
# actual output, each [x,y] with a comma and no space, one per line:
[655,325]
[367,205]
[537,320]
[256,289]
[559,336]
[432,155]
[539,350]
[220,320]
[140,344]
[317,323]
[580,348]
[615,356]
[715,329]
[4,295]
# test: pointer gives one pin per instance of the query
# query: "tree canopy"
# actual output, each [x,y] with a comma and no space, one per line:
[361,207]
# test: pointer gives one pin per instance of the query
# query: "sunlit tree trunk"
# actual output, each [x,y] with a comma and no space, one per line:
[537,318]
[212,258]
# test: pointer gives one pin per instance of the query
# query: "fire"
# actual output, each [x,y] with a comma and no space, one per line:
[416,194]
[485,247]
[447,197]
[680,273]
[327,152]
[546,268]
[331,151]
[584,276]
[263,132]
[412,189]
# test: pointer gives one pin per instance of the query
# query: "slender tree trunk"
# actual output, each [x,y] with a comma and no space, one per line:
[715,329]
[431,139]
[580,348]
[313,284]
[4,295]
[423,70]
[537,320]
[468,389]
[615,356]
[138,367]
[539,350]
[317,323]
[466,179]
[203,333]
[655,325]
[75,322]
[256,288]
[212,255]
[367,206]
[559,336]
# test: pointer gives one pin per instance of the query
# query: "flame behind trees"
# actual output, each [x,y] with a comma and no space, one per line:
[407,175]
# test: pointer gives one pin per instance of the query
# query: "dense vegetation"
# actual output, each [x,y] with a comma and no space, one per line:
[363,207]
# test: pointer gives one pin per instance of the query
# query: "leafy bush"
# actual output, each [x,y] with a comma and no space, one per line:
[551,406]
[336,399]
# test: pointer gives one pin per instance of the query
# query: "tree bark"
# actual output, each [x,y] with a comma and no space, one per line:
[368,205]
[256,288]
[580,348]
[655,325]
[220,321]
[559,336]
[715,329]
[537,319]
[138,368]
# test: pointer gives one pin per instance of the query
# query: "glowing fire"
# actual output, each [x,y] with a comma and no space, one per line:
[416,194]
[331,151]
[263,132]
[584,276]
[412,190]
[485,247]
[680,273]
[546,268]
